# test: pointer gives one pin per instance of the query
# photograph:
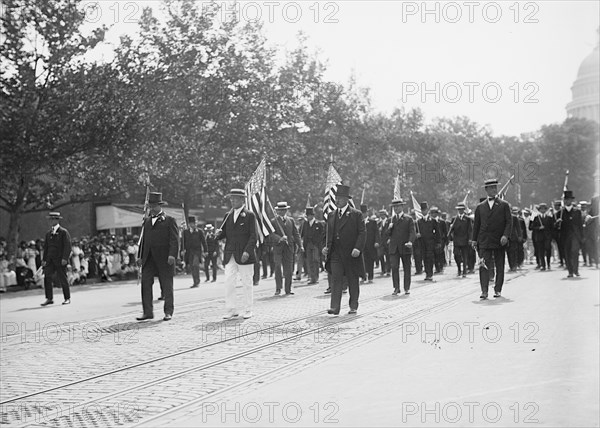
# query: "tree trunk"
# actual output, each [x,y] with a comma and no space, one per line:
[14,229]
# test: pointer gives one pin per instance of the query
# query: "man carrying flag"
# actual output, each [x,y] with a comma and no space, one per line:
[491,229]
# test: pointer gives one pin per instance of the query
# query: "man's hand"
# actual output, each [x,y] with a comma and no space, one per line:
[218,231]
[138,262]
[301,249]
[64,262]
[474,245]
[245,257]
[171,260]
[325,251]
[418,235]
[283,239]
[503,240]
[542,227]
[408,244]
[355,253]
[44,263]
[376,244]
[215,254]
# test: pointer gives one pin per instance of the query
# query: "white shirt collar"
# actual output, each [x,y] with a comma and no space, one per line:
[236,213]
[311,222]
[343,209]
[55,228]
[568,208]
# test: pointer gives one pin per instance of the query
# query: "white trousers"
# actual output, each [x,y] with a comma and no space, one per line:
[238,275]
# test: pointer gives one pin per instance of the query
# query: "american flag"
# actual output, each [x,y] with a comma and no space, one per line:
[256,201]
[416,206]
[504,190]
[397,193]
[333,180]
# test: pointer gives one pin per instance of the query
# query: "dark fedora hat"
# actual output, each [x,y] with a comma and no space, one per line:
[237,192]
[54,214]
[568,194]
[424,205]
[282,205]
[364,208]
[155,198]
[310,211]
[191,219]
[398,201]
[343,191]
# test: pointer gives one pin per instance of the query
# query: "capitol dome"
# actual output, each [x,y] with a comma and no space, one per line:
[586,89]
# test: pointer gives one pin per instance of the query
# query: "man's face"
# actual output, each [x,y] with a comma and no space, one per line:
[424,211]
[435,214]
[398,209]
[382,216]
[193,224]
[542,210]
[310,217]
[154,209]
[281,211]
[568,201]
[341,201]
[236,201]
[491,190]
[53,221]
[461,211]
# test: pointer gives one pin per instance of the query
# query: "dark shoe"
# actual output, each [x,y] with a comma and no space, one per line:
[464,275]
[537,267]
[332,312]
[483,297]
[395,293]
[67,302]
[264,277]
[388,274]
[47,302]
[290,293]
[352,312]
[278,292]
[255,284]
[497,294]
[207,279]
[570,275]
[229,316]
[328,291]
[344,291]
[542,268]
[194,286]
[214,280]
[577,274]
[406,292]
[167,317]
[429,278]
[145,317]
[161,298]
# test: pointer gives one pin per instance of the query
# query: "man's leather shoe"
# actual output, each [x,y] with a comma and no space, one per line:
[328,291]
[352,312]
[161,298]
[248,314]
[291,292]
[395,293]
[570,276]
[483,296]
[497,294]
[406,291]
[47,302]
[229,316]
[167,317]
[67,302]
[194,286]
[214,280]
[332,312]
[277,292]
[145,317]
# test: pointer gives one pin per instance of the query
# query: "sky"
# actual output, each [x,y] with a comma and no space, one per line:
[507,64]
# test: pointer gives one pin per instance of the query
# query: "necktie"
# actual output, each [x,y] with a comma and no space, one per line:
[340,213]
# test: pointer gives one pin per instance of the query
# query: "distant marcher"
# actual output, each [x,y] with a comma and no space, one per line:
[570,223]
[194,247]
[400,237]
[57,250]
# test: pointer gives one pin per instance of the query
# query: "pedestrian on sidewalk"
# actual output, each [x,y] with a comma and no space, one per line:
[491,229]
[57,250]
[346,237]
[239,231]
[159,247]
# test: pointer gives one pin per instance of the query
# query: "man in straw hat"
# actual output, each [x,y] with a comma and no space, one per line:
[57,250]
[346,237]
[400,236]
[158,250]
[570,223]
[285,240]
[460,233]
[312,234]
[491,229]
[239,231]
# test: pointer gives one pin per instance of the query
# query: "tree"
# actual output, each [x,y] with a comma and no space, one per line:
[61,118]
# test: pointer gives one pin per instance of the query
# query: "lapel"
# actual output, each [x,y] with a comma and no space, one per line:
[344,218]
[240,217]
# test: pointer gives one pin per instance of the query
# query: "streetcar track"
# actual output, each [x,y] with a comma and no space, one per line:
[339,321]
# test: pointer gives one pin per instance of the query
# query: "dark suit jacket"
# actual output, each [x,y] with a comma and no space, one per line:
[461,231]
[312,234]
[516,233]
[57,246]
[490,225]
[160,241]
[194,242]
[572,224]
[545,234]
[401,231]
[372,238]
[352,234]
[430,232]
[290,230]
[240,237]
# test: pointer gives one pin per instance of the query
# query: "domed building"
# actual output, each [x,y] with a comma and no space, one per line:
[586,89]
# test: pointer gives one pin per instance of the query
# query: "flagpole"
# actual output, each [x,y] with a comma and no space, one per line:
[562,204]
